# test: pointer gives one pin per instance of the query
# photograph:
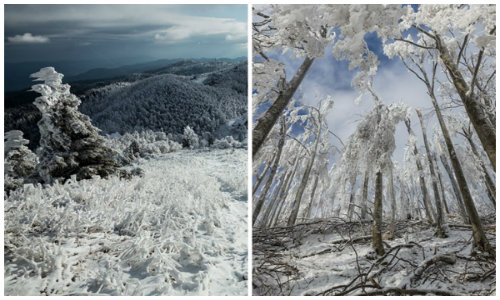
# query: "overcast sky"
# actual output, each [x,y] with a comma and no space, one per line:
[135,32]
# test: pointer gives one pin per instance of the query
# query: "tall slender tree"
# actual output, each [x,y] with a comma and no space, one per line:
[274,170]
[440,232]
[480,240]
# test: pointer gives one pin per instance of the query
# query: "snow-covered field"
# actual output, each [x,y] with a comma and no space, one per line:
[332,257]
[179,230]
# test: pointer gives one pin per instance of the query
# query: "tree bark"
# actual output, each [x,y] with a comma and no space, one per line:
[302,187]
[305,179]
[443,196]
[484,129]
[262,175]
[315,185]
[490,185]
[284,194]
[393,203]
[440,232]
[454,185]
[350,208]
[270,179]
[365,194]
[272,202]
[300,192]
[267,121]
[421,177]
[285,191]
[480,240]
[377,216]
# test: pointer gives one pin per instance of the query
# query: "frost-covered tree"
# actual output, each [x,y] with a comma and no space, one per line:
[19,161]
[418,68]
[373,144]
[190,138]
[307,30]
[462,39]
[274,169]
[318,117]
[440,232]
[69,143]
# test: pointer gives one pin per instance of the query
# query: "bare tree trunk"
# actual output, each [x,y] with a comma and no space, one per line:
[270,179]
[305,179]
[484,129]
[393,203]
[377,216]
[490,185]
[365,194]
[421,177]
[315,185]
[440,230]
[284,192]
[282,197]
[443,196]
[480,240]
[262,174]
[267,121]
[302,187]
[350,208]
[454,185]
[272,202]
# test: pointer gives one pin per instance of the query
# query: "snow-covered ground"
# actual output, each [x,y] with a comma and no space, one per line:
[318,259]
[179,230]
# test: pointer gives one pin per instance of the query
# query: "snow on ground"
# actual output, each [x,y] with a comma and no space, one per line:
[313,259]
[179,230]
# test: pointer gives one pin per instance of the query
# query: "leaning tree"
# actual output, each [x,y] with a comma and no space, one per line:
[69,143]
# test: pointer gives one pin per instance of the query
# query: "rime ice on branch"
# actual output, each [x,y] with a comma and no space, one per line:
[69,143]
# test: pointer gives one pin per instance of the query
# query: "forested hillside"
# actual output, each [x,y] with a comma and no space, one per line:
[150,100]
[168,103]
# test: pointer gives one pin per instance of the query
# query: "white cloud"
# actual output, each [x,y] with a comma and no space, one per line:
[186,28]
[27,38]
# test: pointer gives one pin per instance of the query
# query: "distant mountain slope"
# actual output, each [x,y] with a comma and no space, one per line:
[168,103]
[234,78]
[150,100]
[17,74]
[102,73]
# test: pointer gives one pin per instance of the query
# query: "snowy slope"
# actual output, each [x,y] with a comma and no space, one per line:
[319,259]
[179,230]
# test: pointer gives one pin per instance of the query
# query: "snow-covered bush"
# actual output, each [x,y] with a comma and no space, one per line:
[19,161]
[69,143]
[142,144]
[227,142]
[190,138]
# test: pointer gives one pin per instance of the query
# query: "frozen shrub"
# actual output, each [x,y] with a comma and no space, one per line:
[190,138]
[143,144]
[227,142]
[133,151]
[128,174]
[19,161]
[207,136]
[69,143]
[203,143]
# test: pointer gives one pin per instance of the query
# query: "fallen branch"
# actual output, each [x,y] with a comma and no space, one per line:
[446,258]
[355,240]
[410,292]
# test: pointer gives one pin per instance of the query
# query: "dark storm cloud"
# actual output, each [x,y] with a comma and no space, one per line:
[157,31]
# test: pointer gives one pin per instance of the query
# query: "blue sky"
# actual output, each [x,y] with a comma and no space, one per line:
[393,83]
[128,32]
